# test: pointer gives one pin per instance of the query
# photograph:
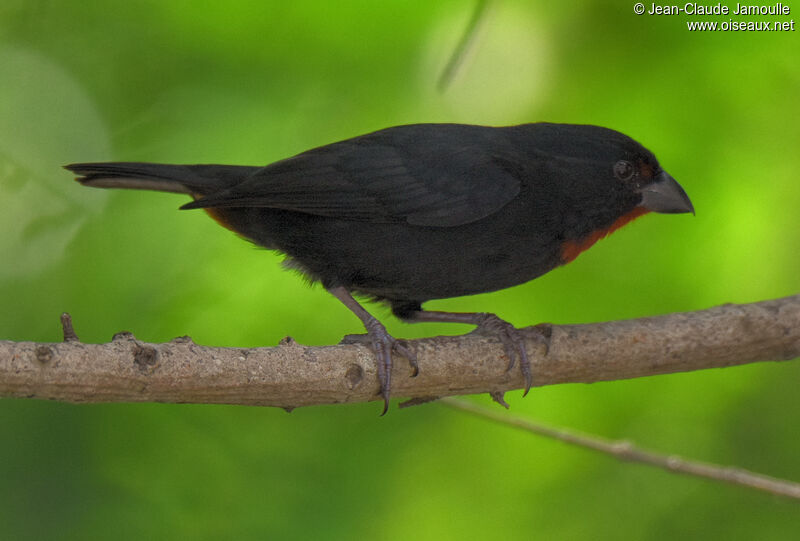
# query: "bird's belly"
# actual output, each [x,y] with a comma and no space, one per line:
[397,260]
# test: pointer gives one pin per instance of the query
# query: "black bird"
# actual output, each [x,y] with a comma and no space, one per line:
[426,211]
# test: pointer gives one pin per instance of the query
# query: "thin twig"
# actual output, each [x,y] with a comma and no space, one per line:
[457,57]
[68,329]
[626,451]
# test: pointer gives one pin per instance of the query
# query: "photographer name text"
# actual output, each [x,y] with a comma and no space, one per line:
[692,8]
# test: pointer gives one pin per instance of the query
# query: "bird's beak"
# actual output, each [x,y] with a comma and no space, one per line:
[666,196]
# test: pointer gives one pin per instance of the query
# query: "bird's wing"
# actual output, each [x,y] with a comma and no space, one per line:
[444,185]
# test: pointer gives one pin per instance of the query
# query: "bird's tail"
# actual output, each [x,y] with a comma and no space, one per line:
[196,180]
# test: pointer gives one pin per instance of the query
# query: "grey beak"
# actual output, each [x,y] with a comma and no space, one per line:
[666,196]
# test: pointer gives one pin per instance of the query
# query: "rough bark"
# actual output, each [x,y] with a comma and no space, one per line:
[291,375]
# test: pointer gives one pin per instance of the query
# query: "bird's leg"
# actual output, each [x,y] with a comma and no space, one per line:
[382,343]
[513,341]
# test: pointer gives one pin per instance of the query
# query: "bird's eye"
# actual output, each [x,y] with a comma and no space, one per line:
[623,170]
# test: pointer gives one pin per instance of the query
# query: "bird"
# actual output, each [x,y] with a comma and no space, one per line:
[417,212]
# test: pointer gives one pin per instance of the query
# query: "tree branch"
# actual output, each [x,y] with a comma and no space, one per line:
[458,54]
[291,375]
[626,451]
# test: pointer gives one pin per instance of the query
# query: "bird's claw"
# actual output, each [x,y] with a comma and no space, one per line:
[383,344]
[514,345]
[402,348]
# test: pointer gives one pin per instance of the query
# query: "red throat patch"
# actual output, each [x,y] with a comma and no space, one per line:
[572,248]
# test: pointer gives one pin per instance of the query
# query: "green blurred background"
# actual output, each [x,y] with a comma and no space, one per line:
[253,82]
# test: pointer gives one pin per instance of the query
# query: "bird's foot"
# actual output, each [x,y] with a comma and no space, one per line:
[514,343]
[384,344]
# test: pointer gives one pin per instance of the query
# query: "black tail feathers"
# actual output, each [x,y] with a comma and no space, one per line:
[191,179]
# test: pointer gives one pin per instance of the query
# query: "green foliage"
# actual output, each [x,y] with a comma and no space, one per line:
[253,82]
